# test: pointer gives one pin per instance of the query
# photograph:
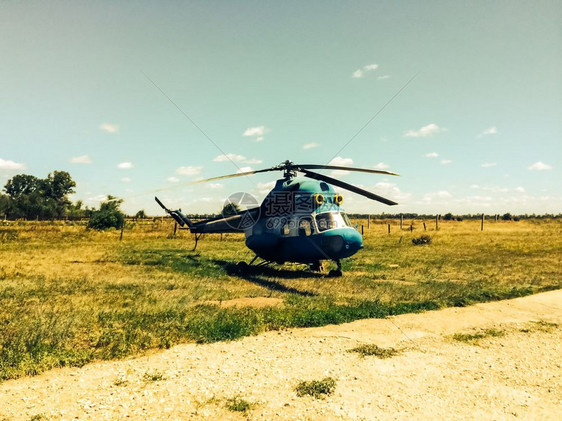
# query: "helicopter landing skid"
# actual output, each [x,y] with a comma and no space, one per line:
[243,267]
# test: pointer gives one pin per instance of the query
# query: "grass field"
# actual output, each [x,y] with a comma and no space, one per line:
[68,295]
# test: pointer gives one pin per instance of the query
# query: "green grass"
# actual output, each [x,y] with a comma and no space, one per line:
[372,349]
[540,326]
[474,338]
[318,389]
[69,296]
[153,376]
[237,404]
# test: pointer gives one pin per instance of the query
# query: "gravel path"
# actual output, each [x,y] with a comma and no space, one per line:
[517,374]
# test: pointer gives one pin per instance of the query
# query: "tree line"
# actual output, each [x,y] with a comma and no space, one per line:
[29,197]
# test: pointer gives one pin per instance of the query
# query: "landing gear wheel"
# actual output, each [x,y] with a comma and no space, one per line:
[317,267]
[335,273]
[242,268]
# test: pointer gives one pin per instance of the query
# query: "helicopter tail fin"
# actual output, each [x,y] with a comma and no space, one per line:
[178,216]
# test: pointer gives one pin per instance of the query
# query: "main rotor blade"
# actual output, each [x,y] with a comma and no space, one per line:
[240,174]
[348,186]
[338,167]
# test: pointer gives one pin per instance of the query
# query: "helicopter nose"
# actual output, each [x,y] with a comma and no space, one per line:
[342,243]
[353,241]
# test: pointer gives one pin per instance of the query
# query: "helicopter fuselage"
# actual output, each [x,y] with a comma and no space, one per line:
[302,220]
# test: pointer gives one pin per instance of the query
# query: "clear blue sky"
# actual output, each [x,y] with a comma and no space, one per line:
[478,130]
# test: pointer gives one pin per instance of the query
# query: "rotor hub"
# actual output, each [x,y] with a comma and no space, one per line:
[289,170]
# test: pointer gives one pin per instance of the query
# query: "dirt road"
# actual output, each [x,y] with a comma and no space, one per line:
[514,371]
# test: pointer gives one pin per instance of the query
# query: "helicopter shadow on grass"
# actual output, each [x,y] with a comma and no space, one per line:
[258,275]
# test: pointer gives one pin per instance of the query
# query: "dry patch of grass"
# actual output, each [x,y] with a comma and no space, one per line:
[256,302]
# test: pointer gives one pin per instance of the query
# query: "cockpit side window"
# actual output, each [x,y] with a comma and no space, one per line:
[346,219]
[305,226]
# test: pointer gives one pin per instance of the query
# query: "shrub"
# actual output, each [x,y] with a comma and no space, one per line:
[371,349]
[316,388]
[424,239]
[108,216]
[237,404]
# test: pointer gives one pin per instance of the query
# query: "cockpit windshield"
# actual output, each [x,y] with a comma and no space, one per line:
[329,220]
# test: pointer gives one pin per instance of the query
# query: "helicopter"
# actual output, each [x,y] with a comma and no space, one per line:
[301,220]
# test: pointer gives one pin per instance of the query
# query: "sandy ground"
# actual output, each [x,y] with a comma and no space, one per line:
[517,375]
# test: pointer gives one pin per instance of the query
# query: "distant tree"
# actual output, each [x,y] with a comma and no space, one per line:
[76,211]
[31,197]
[506,217]
[230,209]
[140,214]
[4,205]
[448,217]
[108,216]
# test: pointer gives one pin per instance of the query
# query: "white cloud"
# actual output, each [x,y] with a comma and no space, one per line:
[189,170]
[431,155]
[173,179]
[109,128]
[446,161]
[425,131]
[371,67]
[215,186]
[95,200]
[244,169]
[126,180]
[232,157]
[264,188]
[520,189]
[310,145]
[125,165]
[357,74]
[367,68]
[489,164]
[381,166]
[489,131]
[229,157]
[438,196]
[338,160]
[539,166]
[391,191]
[10,165]
[82,159]
[383,77]
[257,132]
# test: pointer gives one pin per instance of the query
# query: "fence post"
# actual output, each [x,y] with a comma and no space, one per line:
[482,223]
[424,227]
[121,235]
[368,221]
[436,222]
[401,221]
[175,228]
[389,228]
